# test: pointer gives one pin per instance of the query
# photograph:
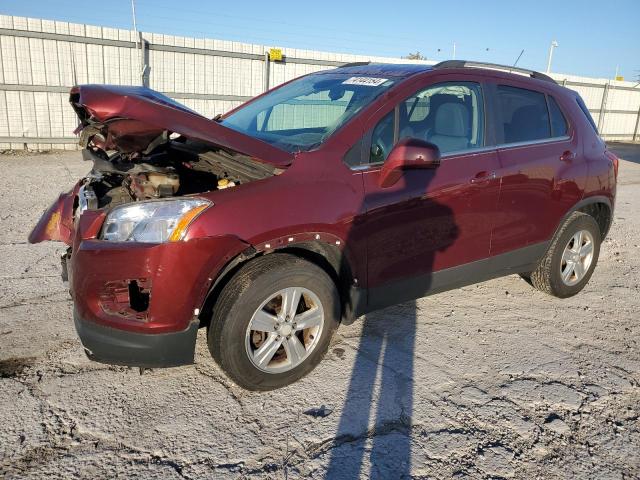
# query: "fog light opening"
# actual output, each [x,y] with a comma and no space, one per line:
[138,297]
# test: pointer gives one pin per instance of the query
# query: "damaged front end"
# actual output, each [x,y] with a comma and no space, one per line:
[143,145]
[137,285]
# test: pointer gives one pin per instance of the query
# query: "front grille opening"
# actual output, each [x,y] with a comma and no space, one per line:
[138,297]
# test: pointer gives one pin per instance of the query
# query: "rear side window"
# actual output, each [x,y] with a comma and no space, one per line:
[558,122]
[585,110]
[524,114]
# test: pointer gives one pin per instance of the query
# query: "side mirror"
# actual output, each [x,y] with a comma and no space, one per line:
[408,154]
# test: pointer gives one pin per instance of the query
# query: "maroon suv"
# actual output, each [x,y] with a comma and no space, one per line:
[338,193]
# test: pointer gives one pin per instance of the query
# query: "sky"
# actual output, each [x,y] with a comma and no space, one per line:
[594,37]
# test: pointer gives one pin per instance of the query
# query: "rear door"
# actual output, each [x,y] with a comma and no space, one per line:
[540,170]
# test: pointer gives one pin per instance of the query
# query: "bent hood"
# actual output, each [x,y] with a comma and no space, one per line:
[129,119]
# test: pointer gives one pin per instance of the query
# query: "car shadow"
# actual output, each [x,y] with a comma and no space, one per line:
[376,418]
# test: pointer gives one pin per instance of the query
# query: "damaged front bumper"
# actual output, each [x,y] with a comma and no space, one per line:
[135,304]
[120,347]
[139,304]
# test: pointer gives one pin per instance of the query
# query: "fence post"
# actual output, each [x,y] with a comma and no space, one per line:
[635,130]
[144,61]
[603,105]
[265,85]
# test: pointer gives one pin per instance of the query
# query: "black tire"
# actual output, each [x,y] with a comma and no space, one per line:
[526,276]
[243,295]
[546,277]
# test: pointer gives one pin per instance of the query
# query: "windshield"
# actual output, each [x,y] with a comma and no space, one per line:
[302,114]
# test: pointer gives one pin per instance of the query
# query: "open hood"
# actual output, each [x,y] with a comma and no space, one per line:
[131,119]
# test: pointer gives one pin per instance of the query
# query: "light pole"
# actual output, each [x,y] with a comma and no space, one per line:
[554,44]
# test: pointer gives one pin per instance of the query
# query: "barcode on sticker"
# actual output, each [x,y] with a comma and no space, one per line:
[367,81]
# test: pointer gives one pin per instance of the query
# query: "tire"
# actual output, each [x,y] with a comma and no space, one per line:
[526,276]
[548,275]
[230,340]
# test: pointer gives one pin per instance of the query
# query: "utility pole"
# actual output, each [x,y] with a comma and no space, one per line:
[140,44]
[554,44]
[454,51]
[133,14]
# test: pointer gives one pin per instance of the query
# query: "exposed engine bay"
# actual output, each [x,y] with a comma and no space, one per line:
[144,145]
[167,168]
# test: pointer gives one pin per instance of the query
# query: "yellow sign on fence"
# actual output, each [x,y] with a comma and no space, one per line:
[275,55]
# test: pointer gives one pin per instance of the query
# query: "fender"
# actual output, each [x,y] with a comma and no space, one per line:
[340,264]
[56,223]
[585,202]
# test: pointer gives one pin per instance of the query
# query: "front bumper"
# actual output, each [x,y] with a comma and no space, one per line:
[148,350]
[146,288]
[135,304]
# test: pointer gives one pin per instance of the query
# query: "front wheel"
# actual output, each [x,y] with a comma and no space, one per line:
[568,264]
[273,321]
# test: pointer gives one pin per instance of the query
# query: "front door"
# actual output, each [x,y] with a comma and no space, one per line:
[430,220]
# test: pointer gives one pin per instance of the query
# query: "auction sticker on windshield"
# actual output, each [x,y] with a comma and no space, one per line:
[367,81]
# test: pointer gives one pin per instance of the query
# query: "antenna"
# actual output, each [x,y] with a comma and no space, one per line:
[517,59]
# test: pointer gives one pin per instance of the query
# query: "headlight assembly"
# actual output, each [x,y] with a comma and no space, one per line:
[152,222]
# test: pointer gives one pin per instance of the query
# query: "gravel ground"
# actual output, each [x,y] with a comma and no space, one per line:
[495,380]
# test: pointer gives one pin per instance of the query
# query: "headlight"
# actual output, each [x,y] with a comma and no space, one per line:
[152,222]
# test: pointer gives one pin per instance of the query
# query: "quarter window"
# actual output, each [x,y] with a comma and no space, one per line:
[558,122]
[524,114]
[588,116]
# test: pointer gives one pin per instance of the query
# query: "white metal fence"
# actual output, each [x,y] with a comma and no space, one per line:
[41,59]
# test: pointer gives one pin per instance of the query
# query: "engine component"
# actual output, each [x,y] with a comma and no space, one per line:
[87,199]
[153,185]
[225,183]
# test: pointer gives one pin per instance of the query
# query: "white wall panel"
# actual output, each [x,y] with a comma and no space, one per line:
[49,63]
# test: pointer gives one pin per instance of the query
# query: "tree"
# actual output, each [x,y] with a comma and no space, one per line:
[415,56]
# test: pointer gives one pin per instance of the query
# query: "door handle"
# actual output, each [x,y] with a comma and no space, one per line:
[483,177]
[567,156]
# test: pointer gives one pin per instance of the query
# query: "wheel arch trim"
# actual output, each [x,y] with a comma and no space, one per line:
[586,202]
[326,250]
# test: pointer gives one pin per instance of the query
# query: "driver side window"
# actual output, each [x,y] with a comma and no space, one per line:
[450,114]
[382,138]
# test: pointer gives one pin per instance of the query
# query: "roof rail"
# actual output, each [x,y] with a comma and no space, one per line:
[354,64]
[494,66]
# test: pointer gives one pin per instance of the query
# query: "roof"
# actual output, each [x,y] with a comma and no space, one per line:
[493,66]
[403,70]
[386,69]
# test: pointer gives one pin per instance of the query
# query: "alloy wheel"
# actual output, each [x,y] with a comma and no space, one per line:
[284,330]
[576,257]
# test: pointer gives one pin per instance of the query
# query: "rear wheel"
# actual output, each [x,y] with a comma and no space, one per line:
[568,264]
[273,321]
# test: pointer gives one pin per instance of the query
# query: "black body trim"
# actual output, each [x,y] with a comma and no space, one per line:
[119,347]
[583,203]
[521,260]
